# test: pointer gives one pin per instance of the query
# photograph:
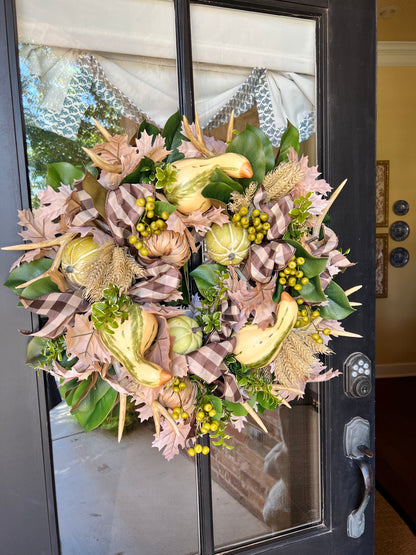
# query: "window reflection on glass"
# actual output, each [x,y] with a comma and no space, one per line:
[78,61]
[261,67]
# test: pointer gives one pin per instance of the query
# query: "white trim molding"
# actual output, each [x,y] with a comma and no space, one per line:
[398,370]
[396,53]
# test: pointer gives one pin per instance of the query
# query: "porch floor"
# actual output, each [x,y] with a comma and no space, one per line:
[127,499]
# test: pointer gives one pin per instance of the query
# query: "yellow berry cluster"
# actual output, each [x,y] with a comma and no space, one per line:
[192,451]
[292,275]
[306,316]
[256,223]
[178,411]
[149,224]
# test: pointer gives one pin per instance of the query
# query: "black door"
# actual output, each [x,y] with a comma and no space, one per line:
[345,147]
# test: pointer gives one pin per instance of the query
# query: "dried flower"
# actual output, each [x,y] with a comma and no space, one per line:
[242,199]
[294,362]
[170,246]
[279,182]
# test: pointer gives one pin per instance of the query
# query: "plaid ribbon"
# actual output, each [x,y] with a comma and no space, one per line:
[59,308]
[87,211]
[207,363]
[165,280]
[278,213]
[122,211]
[327,245]
[264,258]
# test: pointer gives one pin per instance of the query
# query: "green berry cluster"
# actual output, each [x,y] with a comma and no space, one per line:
[204,425]
[256,223]
[306,316]
[149,224]
[178,412]
[292,275]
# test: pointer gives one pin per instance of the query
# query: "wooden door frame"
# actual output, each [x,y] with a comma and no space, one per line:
[29,520]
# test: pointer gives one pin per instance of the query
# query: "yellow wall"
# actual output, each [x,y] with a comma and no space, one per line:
[396,142]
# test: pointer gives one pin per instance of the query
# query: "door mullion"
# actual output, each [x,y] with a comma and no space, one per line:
[187,107]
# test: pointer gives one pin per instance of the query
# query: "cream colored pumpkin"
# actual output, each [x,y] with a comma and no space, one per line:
[228,244]
[76,255]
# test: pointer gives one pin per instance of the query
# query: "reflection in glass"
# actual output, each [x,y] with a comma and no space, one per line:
[262,67]
[81,60]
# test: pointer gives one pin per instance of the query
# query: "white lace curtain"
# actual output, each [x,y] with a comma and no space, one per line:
[124,50]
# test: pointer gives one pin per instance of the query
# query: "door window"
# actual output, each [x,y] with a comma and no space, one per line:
[116,62]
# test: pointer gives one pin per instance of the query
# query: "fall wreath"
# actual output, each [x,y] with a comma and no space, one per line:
[106,264]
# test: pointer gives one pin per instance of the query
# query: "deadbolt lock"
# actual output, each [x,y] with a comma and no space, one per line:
[357,376]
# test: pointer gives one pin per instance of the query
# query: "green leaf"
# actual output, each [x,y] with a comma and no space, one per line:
[313,266]
[267,147]
[143,170]
[218,191]
[161,206]
[339,306]
[313,291]
[171,127]
[26,272]
[151,129]
[96,192]
[217,405]
[236,409]
[277,293]
[173,137]
[205,276]
[95,407]
[289,138]
[249,145]
[218,176]
[267,401]
[62,172]
[34,350]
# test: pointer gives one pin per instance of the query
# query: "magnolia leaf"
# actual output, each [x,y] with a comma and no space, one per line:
[249,145]
[206,275]
[62,172]
[34,350]
[96,192]
[28,271]
[267,147]
[171,127]
[313,291]
[290,138]
[172,133]
[149,128]
[339,306]
[141,172]
[218,176]
[162,206]
[278,292]
[96,405]
[313,266]
[218,191]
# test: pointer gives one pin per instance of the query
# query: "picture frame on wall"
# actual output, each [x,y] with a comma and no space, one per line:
[381,264]
[382,193]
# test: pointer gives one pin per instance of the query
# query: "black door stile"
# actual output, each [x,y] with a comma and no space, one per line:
[187,107]
[346,137]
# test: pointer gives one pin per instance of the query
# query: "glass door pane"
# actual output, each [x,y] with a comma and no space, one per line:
[262,67]
[115,62]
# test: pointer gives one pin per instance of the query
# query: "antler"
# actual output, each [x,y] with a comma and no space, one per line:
[197,140]
[53,272]
[230,128]
[157,410]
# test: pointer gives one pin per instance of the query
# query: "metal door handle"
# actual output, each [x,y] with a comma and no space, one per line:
[356,520]
[356,439]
